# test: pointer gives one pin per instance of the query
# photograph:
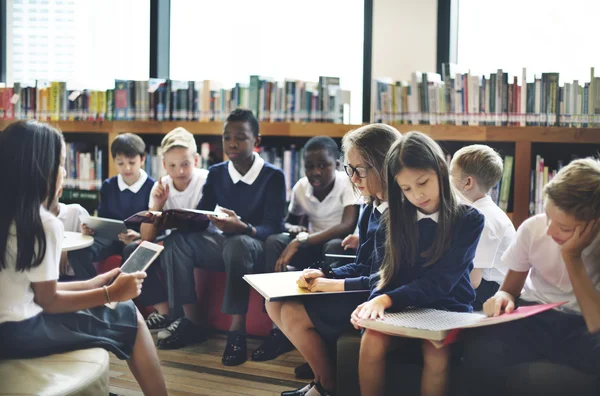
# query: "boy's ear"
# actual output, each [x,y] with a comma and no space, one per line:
[196,160]
[143,159]
[470,183]
[257,141]
[337,164]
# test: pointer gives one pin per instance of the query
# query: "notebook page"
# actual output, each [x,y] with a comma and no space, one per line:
[431,319]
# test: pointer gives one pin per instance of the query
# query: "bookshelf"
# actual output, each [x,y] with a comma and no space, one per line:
[522,137]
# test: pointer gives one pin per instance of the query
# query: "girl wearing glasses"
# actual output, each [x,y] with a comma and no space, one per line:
[315,323]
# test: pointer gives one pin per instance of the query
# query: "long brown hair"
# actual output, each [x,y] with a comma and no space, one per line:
[372,143]
[415,151]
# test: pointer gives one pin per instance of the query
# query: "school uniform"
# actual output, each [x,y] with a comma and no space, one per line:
[498,233]
[26,331]
[445,284]
[330,314]
[258,197]
[69,216]
[559,335]
[321,215]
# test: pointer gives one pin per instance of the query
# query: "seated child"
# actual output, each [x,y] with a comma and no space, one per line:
[38,315]
[314,324]
[120,197]
[324,197]
[474,170]
[554,258]
[430,246]
[244,185]
[180,188]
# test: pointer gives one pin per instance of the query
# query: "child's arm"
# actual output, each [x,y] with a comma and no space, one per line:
[158,198]
[504,299]
[274,208]
[476,276]
[294,224]
[102,207]
[586,293]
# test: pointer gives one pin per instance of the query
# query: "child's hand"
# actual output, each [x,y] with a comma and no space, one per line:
[350,242]
[307,276]
[326,285]
[103,279]
[231,224]
[286,256]
[296,229]
[499,302]
[126,286]
[372,309]
[85,230]
[160,195]
[64,265]
[129,236]
[581,238]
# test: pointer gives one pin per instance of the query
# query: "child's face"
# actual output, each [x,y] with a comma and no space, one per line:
[319,167]
[179,162]
[421,188]
[239,141]
[368,186]
[561,226]
[129,167]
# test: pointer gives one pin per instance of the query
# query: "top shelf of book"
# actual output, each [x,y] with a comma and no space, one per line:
[292,129]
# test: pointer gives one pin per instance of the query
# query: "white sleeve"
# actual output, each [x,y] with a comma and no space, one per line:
[151,200]
[348,195]
[81,211]
[49,267]
[295,208]
[486,249]
[516,257]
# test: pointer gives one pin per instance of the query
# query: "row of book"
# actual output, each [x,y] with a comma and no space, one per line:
[541,174]
[83,167]
[498,99]
[170,100]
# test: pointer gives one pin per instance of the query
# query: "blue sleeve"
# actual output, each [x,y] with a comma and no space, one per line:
[274,207]
[103,210]
[439,280]
[209,198]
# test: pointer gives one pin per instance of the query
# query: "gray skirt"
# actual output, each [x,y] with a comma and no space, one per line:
[47,334]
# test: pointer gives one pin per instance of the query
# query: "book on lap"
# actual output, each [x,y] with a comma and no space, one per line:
[182,215]
[443,327]
[282,285]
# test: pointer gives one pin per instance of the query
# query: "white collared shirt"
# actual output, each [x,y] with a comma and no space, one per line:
[434,216]
[252,173]
[496,236]
[69,216]
[382,207]
[548,281]
[186,199]
[135,187]
[325,214]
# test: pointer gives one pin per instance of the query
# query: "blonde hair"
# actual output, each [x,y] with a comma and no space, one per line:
[481,162]
[576,189]
[372,143]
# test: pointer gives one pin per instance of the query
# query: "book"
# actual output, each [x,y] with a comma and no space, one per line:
[281,285]
[443,327]
[181,215]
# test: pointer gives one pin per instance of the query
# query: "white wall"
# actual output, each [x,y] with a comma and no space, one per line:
[404,37]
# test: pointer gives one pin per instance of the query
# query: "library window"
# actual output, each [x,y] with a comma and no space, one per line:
[86,43]
[541,35]
[277,39]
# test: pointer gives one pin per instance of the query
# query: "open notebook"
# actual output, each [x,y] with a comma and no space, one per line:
[281,285]
[443,326]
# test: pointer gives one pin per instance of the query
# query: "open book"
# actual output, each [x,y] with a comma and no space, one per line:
[281,285]
[184,215]
[444,326]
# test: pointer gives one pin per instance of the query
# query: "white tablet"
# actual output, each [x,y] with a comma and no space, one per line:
[140,260]
[104,228]
[347,256]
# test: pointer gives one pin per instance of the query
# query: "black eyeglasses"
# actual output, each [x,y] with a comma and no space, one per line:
[360,171]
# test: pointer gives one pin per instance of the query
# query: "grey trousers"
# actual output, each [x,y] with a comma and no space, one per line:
[237,255]
[305,256]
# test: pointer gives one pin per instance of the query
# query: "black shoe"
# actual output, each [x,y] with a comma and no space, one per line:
[156,322]
[185,334]
[298,392]
[274,345]
[304,372]
[235,352]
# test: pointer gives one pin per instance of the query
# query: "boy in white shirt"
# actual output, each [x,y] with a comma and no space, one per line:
[555,257]
[181,188]
[474,170]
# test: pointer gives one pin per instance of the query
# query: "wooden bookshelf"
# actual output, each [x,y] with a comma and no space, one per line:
[522,137]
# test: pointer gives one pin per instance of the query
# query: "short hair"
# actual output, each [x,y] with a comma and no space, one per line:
[576,189]
[323,143]
[481,162]
[244,115]
[129,145]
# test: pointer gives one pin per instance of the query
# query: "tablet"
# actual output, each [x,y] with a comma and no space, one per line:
[139,260]
[104,228]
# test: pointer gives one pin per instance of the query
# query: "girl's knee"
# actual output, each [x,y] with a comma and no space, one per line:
[374,343]
[294,313]
[273,308]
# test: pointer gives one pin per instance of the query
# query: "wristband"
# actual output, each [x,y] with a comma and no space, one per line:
[248,229]
[106,295]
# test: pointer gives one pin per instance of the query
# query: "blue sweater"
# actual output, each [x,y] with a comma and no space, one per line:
[445,284]
[119,205]
[261,204]
[362,274]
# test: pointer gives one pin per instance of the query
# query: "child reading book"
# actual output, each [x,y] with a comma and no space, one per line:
[430,246]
